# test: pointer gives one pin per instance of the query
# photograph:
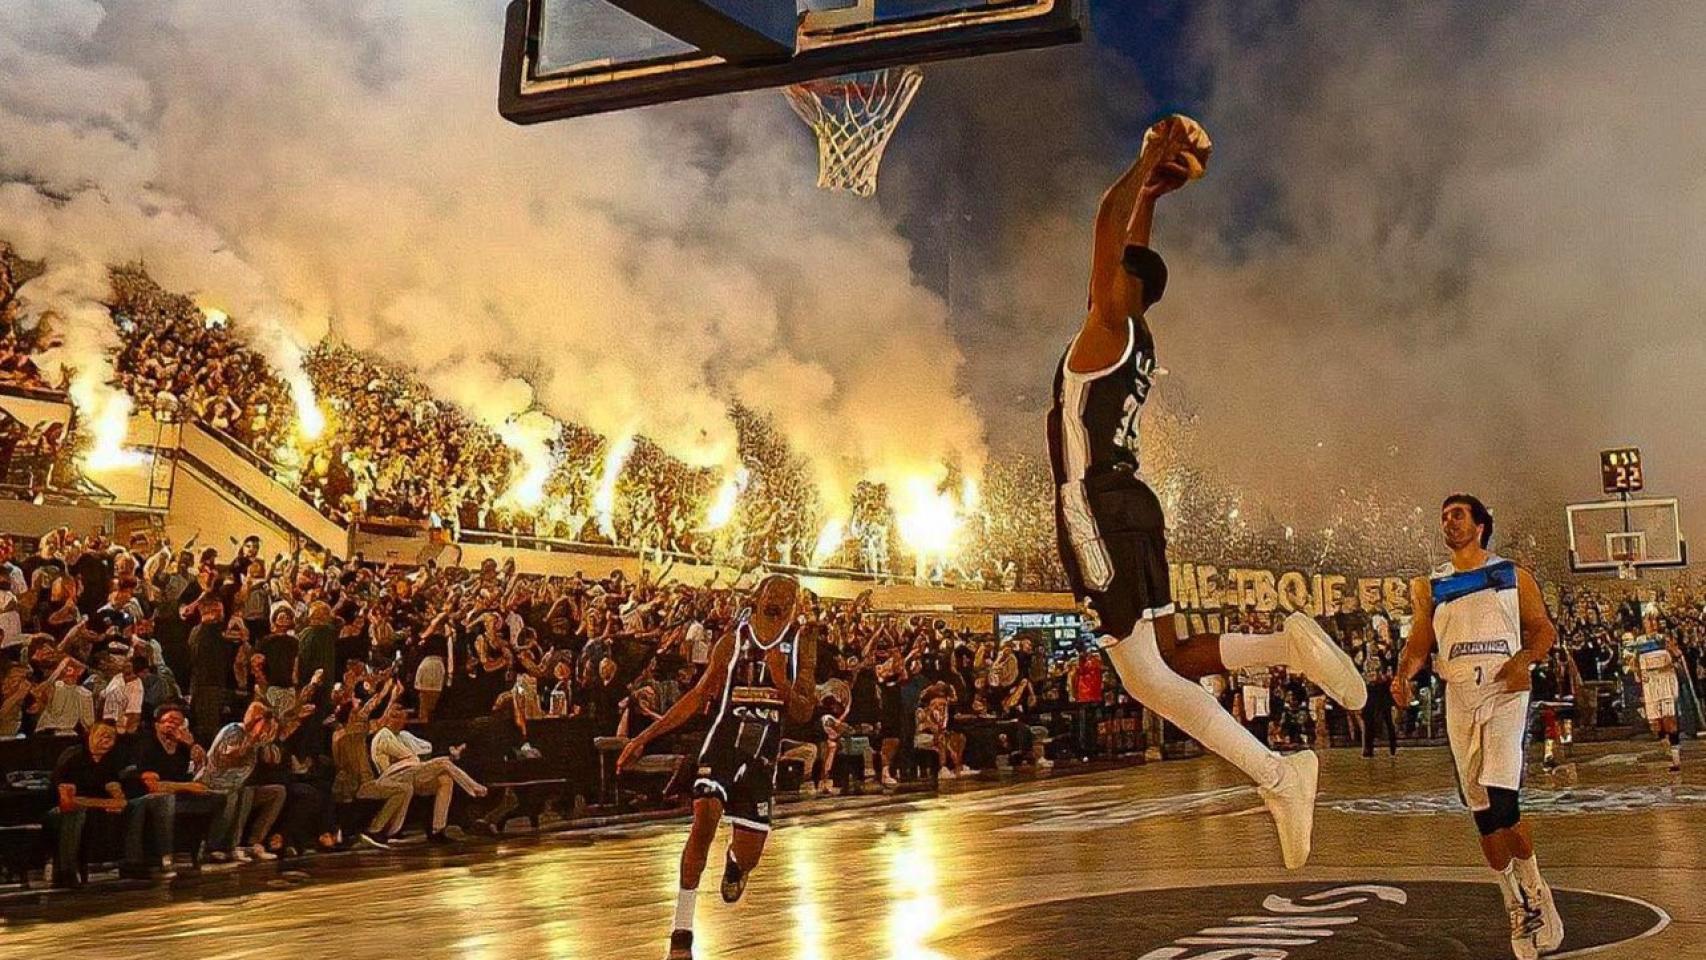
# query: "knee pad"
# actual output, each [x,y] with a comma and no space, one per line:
[1503,811]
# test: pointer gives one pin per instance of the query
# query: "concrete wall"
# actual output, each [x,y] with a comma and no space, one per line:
[203,510]
[31,410]
[315,527]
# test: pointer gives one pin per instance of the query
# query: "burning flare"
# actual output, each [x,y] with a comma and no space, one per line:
[723,507]
[310,421]
[928,519]
[604,501]
[530,436]
[829,540]
[106,414]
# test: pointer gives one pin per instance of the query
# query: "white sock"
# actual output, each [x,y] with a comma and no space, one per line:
[1527,874]
[1188,706]
[1509,887]
[684,903]
[1676,754]
[1242,650]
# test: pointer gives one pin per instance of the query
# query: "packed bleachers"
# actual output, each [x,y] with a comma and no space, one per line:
[288,706]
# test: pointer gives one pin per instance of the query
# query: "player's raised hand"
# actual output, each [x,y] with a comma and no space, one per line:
[1175,151]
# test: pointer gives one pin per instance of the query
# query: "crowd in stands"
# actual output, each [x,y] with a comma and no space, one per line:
[19,342]
[391,451]
[296,706]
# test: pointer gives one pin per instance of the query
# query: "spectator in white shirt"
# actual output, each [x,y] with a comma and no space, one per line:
[121,702]
[698,643]
[65,705]
[399,755]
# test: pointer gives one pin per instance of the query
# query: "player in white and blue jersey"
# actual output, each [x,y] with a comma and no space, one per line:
[1484,622]
[1656,659]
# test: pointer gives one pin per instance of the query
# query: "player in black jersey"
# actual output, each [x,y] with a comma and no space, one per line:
[758,672]
[1112,536]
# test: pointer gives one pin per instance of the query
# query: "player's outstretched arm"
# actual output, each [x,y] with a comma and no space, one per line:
[688,707]
[1125,276]
[1538,634]
[1421,641]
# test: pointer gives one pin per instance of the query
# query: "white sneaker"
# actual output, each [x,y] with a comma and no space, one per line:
[808,790]
[262,853]
[1316,656]
[1551,935]
[241,855]
[1292,804]
[1525,926]
[889,781]
[944,774]
[967,772]
[1044,763]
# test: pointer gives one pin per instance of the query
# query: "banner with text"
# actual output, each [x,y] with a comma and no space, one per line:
[1204,592]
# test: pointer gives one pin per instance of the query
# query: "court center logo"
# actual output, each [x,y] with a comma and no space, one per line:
[1436,920]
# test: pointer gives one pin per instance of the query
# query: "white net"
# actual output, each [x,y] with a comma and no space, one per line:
[854,117]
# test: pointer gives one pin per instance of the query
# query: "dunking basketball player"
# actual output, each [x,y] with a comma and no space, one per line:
[1656,658]
[1482,618]
[1111,533]
[756,673]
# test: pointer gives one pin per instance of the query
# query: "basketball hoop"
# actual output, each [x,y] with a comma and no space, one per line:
[854,116]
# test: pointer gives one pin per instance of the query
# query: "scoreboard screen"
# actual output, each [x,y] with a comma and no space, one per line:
[1061,634]
[1620,470]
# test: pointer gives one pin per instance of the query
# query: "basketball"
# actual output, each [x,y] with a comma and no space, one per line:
[1179,138]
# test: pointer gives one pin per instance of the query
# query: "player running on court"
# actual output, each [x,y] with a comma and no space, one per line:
[760,671]
[1656,658]
[1483,620]
[1112,536]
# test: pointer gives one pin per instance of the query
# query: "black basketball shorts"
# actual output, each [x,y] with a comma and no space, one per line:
[1113,543]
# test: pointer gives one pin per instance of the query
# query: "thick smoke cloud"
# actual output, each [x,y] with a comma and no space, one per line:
[632,273]
[1440,247]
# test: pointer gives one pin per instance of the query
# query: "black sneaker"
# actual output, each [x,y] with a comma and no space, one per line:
[437,838]
[681,945]
[734,879]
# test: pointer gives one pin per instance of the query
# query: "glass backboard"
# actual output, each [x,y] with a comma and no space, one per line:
[567,58]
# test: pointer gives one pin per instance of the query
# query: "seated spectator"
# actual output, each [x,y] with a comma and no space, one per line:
[401,757]
[933,733]
[160,772]
[352,761]
[86,778]
[230,761]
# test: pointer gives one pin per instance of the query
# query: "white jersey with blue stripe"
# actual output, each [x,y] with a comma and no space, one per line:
[1477,624]
[1653,656]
